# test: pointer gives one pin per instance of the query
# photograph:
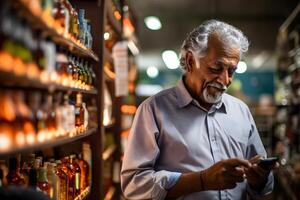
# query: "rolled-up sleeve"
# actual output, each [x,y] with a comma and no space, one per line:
[256,147]
[139,180]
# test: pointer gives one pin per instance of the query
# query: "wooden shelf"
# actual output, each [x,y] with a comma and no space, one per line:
[110,193]
[109,151]
[116,25]
[48,144]
[37,22]
[13,81]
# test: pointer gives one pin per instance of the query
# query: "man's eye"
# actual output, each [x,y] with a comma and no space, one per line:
[216,70]
[231,71]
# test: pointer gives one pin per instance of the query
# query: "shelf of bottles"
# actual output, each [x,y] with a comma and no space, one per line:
[59,20]
[63,178]
[31,59]
[47,97]
[286,129]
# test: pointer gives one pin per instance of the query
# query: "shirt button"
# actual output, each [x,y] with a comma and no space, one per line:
[213,139]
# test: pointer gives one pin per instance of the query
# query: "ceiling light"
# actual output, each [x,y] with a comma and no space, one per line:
[170,59]
[152,23]
[106,35]
[241,68]
[152,72]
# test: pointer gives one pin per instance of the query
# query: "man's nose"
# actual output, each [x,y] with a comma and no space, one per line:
[224,78]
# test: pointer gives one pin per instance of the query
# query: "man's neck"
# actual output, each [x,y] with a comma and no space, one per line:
[202,103]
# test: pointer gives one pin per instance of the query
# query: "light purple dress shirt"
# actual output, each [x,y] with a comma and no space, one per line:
[172,134]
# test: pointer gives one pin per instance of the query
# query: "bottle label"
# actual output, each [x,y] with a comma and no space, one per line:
[77,181]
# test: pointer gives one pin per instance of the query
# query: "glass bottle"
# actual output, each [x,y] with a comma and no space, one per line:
[14,177]
[74,177]
[84,169]
[42,181]
[33,173]
[53,180]
[61,15]
[63,181]
[79,113]
[50,118]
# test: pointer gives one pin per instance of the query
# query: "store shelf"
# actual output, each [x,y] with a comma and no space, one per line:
[110,193]
[109,151]
[116,25]
[13,81]
[62,39]
[48,144]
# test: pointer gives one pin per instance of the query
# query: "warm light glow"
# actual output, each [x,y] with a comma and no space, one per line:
[152,72]
[30,138]
[106,35]
[117,15]
[153,23]
[241,68]
[20,138]
[41,136]
[5,142]
[170,59]
[128,109]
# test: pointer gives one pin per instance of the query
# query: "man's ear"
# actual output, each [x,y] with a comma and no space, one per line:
[190,61]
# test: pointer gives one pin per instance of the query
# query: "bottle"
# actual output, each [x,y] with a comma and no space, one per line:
[33,173]
[69,116]
[62,67]
[63,181]
[74,72]
[74,177]
[85,117]
[25,133]
[50,118]
[79,113]
[42,181]
[14,177]
[84,169]
[53,180]
[61,15]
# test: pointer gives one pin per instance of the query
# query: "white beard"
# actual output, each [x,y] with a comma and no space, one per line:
[210,98]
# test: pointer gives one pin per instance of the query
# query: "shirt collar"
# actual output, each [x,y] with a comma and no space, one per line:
[184,98]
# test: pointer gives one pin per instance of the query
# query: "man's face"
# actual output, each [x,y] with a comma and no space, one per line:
[209,81]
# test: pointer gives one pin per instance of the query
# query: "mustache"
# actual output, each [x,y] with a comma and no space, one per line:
[218,86]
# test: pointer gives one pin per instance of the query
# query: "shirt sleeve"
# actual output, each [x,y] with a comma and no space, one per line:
[256,147]
[139,180]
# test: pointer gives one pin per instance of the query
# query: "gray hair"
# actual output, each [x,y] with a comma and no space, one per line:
[196,41]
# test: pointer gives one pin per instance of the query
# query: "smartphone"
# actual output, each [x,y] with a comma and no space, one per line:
[268,163]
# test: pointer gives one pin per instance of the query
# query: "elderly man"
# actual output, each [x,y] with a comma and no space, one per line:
[194,141]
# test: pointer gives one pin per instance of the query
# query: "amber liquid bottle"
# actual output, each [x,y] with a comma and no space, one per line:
[14,177]
[79,113]
[76,176]
[63,181]
[84,169]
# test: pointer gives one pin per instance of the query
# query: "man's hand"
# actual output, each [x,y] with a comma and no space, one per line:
[224,174]
[257,177]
